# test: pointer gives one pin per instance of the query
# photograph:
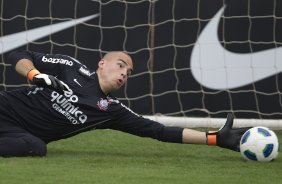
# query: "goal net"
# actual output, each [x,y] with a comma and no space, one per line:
[194,61]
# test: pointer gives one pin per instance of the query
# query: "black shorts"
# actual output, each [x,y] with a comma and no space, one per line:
[7,119]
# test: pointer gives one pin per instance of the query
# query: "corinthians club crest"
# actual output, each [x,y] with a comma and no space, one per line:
[103,104]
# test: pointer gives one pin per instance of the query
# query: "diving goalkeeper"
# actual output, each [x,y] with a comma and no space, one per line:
[68,98]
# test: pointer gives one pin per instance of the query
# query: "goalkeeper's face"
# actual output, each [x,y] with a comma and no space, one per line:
[113,71]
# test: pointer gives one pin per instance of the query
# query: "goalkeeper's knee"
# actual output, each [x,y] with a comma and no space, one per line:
[35,146]
[21,144]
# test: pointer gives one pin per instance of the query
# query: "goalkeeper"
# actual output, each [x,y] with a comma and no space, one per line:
[68,98]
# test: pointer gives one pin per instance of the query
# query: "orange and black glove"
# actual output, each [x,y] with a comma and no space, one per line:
[46,81]
[227,137]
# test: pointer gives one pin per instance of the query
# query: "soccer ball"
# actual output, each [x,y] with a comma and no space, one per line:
[259,144]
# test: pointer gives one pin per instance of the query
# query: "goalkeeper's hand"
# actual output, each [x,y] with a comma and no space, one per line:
[227,137]
[47,81]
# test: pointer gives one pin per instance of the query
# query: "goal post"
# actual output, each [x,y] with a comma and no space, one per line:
[200,122]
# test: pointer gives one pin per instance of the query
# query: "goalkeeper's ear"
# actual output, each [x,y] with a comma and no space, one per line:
[101,63]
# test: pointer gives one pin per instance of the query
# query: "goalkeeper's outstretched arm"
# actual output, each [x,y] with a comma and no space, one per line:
[226,137]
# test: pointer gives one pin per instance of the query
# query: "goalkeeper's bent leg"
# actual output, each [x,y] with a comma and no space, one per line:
[21,144]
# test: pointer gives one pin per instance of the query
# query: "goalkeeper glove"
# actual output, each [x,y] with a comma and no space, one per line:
[227,137]
[47,81]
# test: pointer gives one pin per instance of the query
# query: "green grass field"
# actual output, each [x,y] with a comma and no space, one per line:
[105,156]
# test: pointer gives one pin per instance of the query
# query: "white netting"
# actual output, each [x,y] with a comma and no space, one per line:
[192,58]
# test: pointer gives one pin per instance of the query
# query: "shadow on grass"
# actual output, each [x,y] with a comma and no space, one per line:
[101,153]
[187,156]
